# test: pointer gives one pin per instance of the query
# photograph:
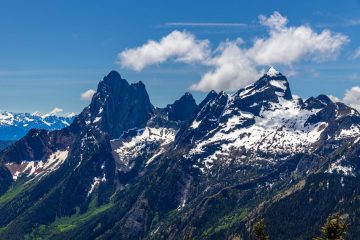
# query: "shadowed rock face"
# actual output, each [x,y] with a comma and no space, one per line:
[206,171]
[182,109]
[118,106]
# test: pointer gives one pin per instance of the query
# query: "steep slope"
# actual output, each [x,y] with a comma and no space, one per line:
[141,146]
[182,109]
[127,170]
[233,163]
[72,169]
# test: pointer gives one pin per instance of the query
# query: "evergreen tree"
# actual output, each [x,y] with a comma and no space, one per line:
[259,231]
[187,235]
[333,229]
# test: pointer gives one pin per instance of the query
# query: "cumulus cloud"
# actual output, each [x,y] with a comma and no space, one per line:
[231,69]
[275,21]
[286,45]
[352,97]
[232,65]
[87,95]
[334,99]
[179,46]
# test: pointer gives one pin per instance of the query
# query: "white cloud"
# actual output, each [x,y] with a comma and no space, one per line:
[55,111]
[352,97]
[180,46]
[334,99]
[232,65]
[87,95]
[275,21]
[286,45]
[231,69]
[356,53]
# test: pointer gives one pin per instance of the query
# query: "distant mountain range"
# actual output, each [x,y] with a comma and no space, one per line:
[124,169]
[14,126]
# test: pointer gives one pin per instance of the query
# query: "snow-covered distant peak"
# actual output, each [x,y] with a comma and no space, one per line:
[53,112]
[272,72]
[36,114]
[70,115]
[13,126]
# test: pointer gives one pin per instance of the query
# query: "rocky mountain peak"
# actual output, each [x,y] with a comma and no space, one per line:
[230,152]
[117,106]
[182,109]
[317,103]
[272,72]
[269,87]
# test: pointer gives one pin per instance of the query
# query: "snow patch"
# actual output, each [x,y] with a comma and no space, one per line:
[278,129]
[131,148]
[195,124]
[96,182]
[38,168]
[272,72]
[278,84]
[337,167]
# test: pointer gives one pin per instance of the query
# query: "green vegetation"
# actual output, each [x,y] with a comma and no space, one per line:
[227,221]
[259,231]
[334,228]
[65,224]
[11,193]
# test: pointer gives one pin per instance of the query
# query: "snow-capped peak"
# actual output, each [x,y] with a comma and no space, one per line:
[70,115]
[36,114]
[13,126]
[272,72]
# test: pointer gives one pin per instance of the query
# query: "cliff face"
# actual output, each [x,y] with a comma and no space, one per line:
[126,170]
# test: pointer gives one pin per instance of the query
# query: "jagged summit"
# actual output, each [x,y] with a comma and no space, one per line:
[182,109]
[117,106]
[272,72]
[270,87]
[128,166]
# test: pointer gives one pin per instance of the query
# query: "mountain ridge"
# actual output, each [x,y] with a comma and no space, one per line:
[206,170]
[13,126]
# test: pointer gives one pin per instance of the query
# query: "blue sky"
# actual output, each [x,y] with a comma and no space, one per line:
[52,51]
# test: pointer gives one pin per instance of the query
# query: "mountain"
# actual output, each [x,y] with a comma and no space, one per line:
[14,126]
[125,169]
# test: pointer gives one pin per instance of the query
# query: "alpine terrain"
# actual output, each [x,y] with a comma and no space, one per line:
[124,169]
[14,126]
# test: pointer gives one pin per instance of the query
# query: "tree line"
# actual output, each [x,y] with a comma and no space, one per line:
[333,229]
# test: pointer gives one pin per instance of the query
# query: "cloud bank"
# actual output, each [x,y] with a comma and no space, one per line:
[232,65]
